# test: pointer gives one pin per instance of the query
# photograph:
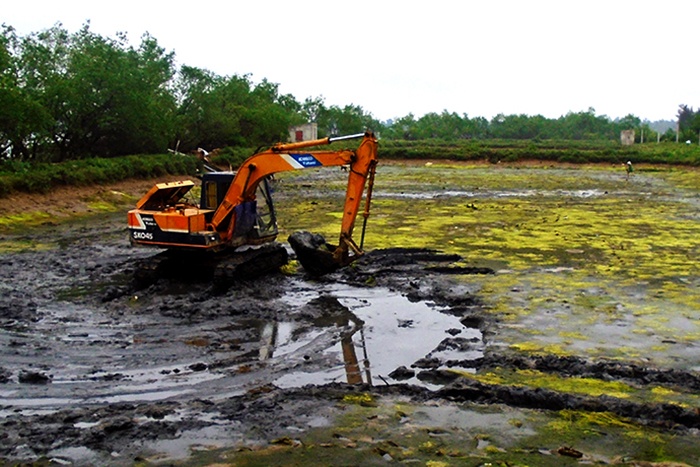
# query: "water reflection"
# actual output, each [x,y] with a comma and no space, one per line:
[376,330]
[350,328]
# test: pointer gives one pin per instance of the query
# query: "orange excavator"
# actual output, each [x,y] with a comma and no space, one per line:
[235,212]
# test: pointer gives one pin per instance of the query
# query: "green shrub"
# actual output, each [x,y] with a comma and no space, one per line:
[43,177]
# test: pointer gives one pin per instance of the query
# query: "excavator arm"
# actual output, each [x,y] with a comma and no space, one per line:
[290,156]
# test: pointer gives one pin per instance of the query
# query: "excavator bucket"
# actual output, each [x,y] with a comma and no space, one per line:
[314,254]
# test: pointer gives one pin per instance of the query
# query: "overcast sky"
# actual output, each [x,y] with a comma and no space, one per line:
[392,58]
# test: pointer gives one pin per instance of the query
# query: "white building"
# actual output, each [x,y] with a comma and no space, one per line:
[305,132]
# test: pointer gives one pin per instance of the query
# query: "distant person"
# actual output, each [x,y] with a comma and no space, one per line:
[629,169]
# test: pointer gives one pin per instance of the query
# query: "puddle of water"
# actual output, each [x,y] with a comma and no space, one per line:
[395,332]
[366,334]
[592,193]
[465,418]
[203,439]
[81,455]
[38,402]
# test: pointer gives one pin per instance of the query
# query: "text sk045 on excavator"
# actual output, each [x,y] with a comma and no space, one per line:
[236,212]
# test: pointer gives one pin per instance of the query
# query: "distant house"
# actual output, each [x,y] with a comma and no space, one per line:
[305,132]
[627,137]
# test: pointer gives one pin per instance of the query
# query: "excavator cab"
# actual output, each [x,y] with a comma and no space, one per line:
[255,219]
[165,218]
[214,188]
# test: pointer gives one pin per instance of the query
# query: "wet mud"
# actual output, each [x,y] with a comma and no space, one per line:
[100,366]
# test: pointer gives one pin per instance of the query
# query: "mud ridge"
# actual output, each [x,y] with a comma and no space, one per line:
[606,370]
[269,412]
[667,416]
[389,261]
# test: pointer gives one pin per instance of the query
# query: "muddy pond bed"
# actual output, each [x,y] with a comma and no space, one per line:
[504,315]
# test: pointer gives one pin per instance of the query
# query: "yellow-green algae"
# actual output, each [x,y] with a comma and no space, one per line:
[23,220]
[13,227]
[586,386]
[22,245]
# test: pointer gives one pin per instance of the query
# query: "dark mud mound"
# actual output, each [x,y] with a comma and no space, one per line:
[390,261]
[316,256]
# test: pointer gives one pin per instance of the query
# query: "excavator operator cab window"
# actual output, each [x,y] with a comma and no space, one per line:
[214,188]
[210,198]
[266,222]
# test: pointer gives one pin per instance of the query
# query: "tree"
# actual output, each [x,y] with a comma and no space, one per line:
[101,97]
[517,126]
[688,123]
[350,119]
[586,125]
[217,111]
[119,102]
[629,122]
[267,116]
[313,108]
[22,117]
[197,122]
[403,128]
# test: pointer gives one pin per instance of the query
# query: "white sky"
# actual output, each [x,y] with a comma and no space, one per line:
[393,58]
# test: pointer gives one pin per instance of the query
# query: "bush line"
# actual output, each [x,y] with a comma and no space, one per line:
[44,177]
[550,150]
[16,176]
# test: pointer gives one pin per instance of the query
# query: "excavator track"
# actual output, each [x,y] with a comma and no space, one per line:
[249,263]
[220,269]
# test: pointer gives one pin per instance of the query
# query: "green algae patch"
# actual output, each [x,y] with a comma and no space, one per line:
[602,432]
[23,245]
[575,385]
[100,206]
[432,435]
[54,213]
[364,399]
[585,386]
[24,220]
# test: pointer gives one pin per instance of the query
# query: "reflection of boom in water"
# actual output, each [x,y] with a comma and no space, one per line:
[354,368]
[268,339]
